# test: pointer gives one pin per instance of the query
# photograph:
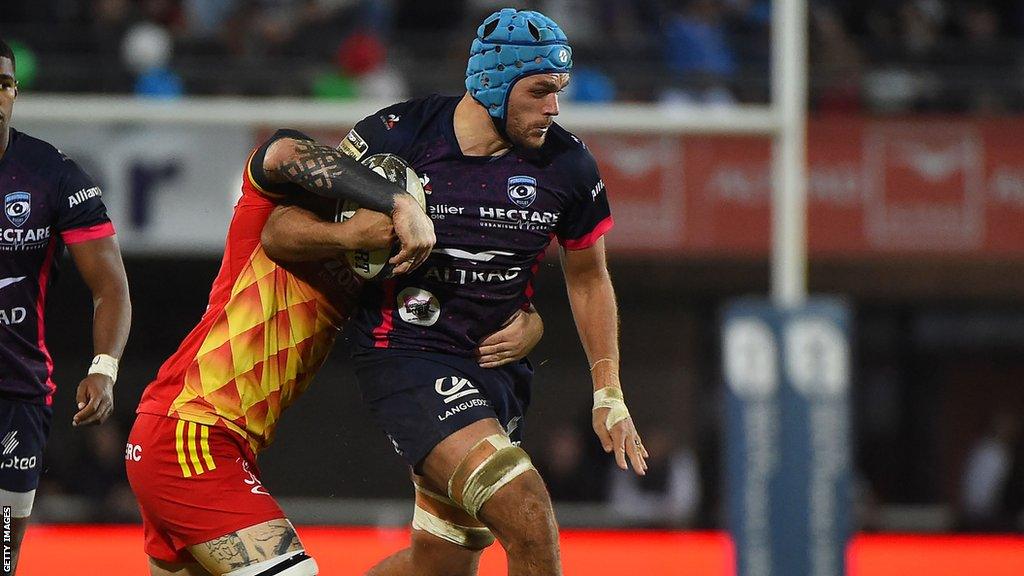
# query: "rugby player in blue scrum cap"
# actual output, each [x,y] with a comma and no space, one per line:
[502,180]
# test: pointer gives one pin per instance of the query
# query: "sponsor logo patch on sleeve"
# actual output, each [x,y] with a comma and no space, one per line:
[354,145]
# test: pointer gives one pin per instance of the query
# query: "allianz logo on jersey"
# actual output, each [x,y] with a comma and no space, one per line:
[83,195]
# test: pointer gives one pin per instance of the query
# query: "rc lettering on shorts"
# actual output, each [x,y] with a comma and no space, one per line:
[192,441]
[133,452]
[354,145]
[255,486]
[522,190]
[418,306]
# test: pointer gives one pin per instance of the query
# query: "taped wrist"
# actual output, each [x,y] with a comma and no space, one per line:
[488,466]
[104,364]
[611,397]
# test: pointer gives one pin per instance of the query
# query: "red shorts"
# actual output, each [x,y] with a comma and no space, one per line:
[193,483]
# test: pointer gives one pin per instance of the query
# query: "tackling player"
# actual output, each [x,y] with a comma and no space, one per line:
[503,180]
[275,309]
[49,203]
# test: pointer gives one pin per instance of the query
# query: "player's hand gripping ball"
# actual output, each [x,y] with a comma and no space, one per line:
[373,264]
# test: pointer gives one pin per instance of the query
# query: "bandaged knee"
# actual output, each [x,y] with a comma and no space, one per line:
[491,464]
[437,515]
[290,564]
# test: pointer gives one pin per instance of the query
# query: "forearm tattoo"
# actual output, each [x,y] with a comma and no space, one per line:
[327,171]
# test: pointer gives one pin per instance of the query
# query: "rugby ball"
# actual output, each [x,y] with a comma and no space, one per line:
[373,264]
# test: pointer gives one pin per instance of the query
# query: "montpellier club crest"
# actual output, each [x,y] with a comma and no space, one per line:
[522,190]
[18,206]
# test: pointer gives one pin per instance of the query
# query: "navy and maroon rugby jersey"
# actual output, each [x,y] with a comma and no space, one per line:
[493,217]
[48,202]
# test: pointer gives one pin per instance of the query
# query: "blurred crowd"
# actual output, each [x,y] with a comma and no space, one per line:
[882,56]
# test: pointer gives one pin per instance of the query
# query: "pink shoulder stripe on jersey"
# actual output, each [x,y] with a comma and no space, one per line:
[382,333]
[88,233]
[44,281]
[590,239]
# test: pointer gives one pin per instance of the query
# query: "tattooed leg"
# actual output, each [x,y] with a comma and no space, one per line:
[247,546]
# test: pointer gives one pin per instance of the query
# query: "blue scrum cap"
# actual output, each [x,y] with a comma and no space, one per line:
[510,45]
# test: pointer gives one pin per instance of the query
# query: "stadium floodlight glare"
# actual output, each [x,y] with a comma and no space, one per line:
[784,120]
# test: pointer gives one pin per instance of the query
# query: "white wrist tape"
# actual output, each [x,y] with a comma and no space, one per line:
[104,364]
[611,397]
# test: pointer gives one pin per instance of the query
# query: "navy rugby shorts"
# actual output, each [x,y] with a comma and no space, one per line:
[24,429]
[420,398]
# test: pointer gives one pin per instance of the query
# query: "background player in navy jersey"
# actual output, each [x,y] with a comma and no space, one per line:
[503,180]
[48,202]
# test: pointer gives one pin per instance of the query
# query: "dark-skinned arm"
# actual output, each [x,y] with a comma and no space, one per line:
[99,263]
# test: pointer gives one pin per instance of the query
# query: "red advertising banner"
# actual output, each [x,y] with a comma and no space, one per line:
[942,187]
[117,551]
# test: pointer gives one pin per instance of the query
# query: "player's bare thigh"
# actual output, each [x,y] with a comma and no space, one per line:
[247,546]
[440,463]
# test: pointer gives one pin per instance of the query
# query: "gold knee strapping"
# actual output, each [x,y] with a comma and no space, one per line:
[497,469]
[473,538]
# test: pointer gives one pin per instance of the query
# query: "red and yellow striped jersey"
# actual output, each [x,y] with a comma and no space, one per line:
[266,331]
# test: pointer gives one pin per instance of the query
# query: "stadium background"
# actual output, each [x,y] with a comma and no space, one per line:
[916,199]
